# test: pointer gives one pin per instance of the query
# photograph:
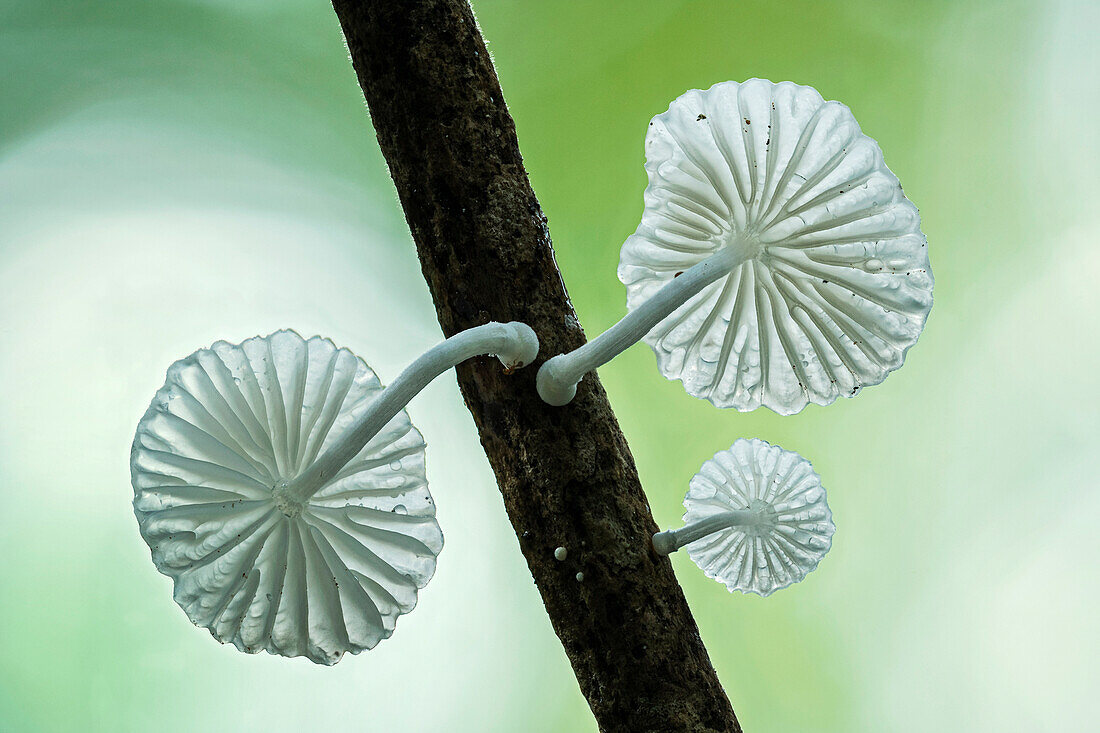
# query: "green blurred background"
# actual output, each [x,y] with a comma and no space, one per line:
[173,172]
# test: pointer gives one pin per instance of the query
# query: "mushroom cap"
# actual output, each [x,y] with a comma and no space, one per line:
[839,286]
[754,474]
[230,423]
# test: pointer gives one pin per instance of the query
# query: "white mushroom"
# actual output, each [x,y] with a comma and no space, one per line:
[283,489]
[777,261]
[756,518]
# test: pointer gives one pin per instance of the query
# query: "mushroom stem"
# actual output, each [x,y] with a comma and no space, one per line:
[558,377]
[514,343]
[672,540]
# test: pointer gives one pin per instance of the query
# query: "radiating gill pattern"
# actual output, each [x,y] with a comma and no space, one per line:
[839,284]
[230,423]
[755,475]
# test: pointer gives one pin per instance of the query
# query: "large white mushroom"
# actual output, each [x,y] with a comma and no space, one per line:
[777,261]
[282,488]
[756,518]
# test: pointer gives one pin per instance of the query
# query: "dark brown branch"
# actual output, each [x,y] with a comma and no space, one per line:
[566,473]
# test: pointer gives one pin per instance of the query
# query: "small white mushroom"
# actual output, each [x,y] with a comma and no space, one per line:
[777,262]
[756,518]
[560,554]
[283,489]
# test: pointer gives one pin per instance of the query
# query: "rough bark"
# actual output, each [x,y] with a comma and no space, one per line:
[566,473]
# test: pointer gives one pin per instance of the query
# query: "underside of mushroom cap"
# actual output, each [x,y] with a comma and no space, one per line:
[316,579]
[837,286]
[760,558]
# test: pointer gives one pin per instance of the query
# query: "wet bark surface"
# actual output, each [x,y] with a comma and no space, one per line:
[566,473]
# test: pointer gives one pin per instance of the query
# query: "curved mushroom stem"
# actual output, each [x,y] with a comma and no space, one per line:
[514,343]
[558,377]
[672,540]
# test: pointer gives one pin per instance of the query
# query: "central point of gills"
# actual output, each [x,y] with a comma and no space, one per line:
[764,517]
[284,502]
[747,245]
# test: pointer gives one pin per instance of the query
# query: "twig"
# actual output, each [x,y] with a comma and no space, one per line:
[566,473]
